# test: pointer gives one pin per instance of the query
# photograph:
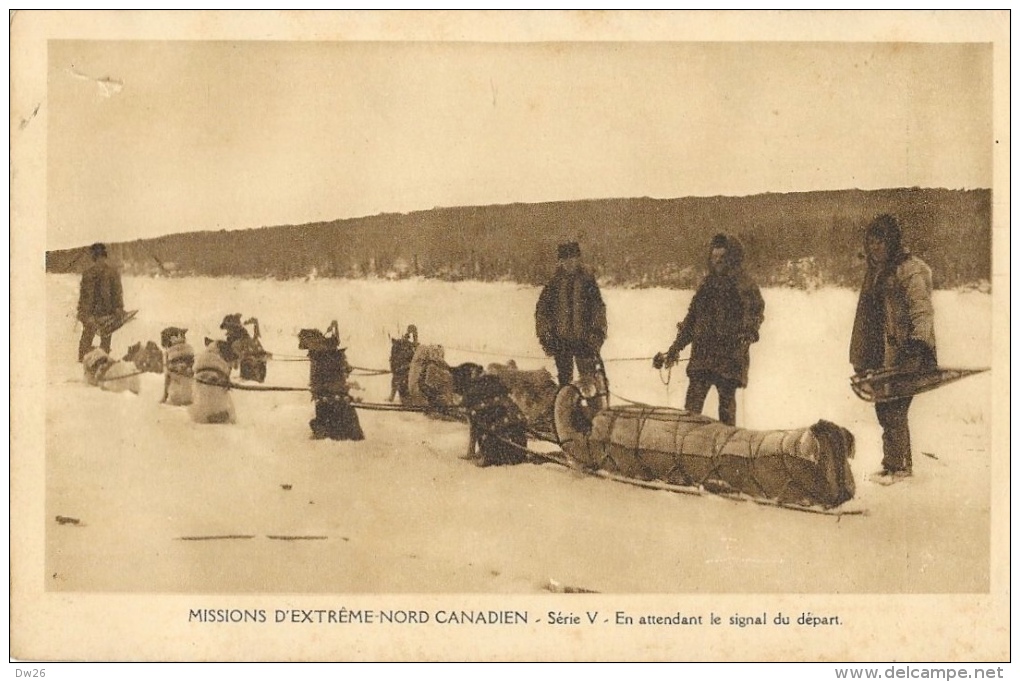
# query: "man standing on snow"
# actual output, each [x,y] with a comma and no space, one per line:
[894,329]
[101,296]
[721,324]
[570,318]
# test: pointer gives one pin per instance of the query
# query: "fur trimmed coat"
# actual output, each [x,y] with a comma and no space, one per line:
[895,321]
[722,322]
[570,316]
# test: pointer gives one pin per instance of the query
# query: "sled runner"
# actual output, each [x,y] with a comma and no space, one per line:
[108,324]
[891,384]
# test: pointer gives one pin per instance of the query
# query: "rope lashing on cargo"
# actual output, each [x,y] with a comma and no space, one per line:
[629,401]
[563,460]
[711,474]
[802,467]
[649,473]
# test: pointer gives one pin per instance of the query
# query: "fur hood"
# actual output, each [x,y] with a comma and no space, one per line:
[734,250]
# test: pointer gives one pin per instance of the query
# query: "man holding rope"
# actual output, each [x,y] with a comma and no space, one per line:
[721,324]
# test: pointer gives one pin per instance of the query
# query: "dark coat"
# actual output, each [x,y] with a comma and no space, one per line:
[101,293]
[722,322]
[895,320]
[570,316]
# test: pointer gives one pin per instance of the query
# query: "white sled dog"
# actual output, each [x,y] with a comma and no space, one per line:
[211,401]
[108,374]
[179,367]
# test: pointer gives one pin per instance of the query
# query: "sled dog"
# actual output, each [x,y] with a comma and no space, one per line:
[534,391]
[148,358]
[108,374]
[498,428]
[211,400]
[179,367]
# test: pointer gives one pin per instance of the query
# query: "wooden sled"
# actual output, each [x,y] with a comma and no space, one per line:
[806,467]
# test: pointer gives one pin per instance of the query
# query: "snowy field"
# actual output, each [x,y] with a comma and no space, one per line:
[400,513]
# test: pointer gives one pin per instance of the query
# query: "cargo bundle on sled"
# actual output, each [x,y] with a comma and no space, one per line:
[429,381]
[804,467]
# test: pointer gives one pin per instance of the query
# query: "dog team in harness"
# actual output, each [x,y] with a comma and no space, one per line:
[892,352]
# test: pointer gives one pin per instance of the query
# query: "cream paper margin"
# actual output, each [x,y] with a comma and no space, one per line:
[138,627]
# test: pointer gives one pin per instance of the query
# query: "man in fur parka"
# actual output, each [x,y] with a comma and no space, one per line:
[894,329]
[721,324]
[570,318]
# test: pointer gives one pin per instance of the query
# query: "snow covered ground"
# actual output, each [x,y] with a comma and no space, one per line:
[400,513]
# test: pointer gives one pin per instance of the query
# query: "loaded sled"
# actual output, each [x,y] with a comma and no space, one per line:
[807,467]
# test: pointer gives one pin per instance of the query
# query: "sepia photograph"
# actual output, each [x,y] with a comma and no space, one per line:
[421,336]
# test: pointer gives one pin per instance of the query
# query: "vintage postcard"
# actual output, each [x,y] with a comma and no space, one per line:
[510,336]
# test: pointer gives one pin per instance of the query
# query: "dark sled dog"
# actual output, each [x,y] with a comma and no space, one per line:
[335,417]
[498,428]
[244,350]
[147,359]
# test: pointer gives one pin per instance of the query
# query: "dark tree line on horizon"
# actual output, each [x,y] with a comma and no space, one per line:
[801,239]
